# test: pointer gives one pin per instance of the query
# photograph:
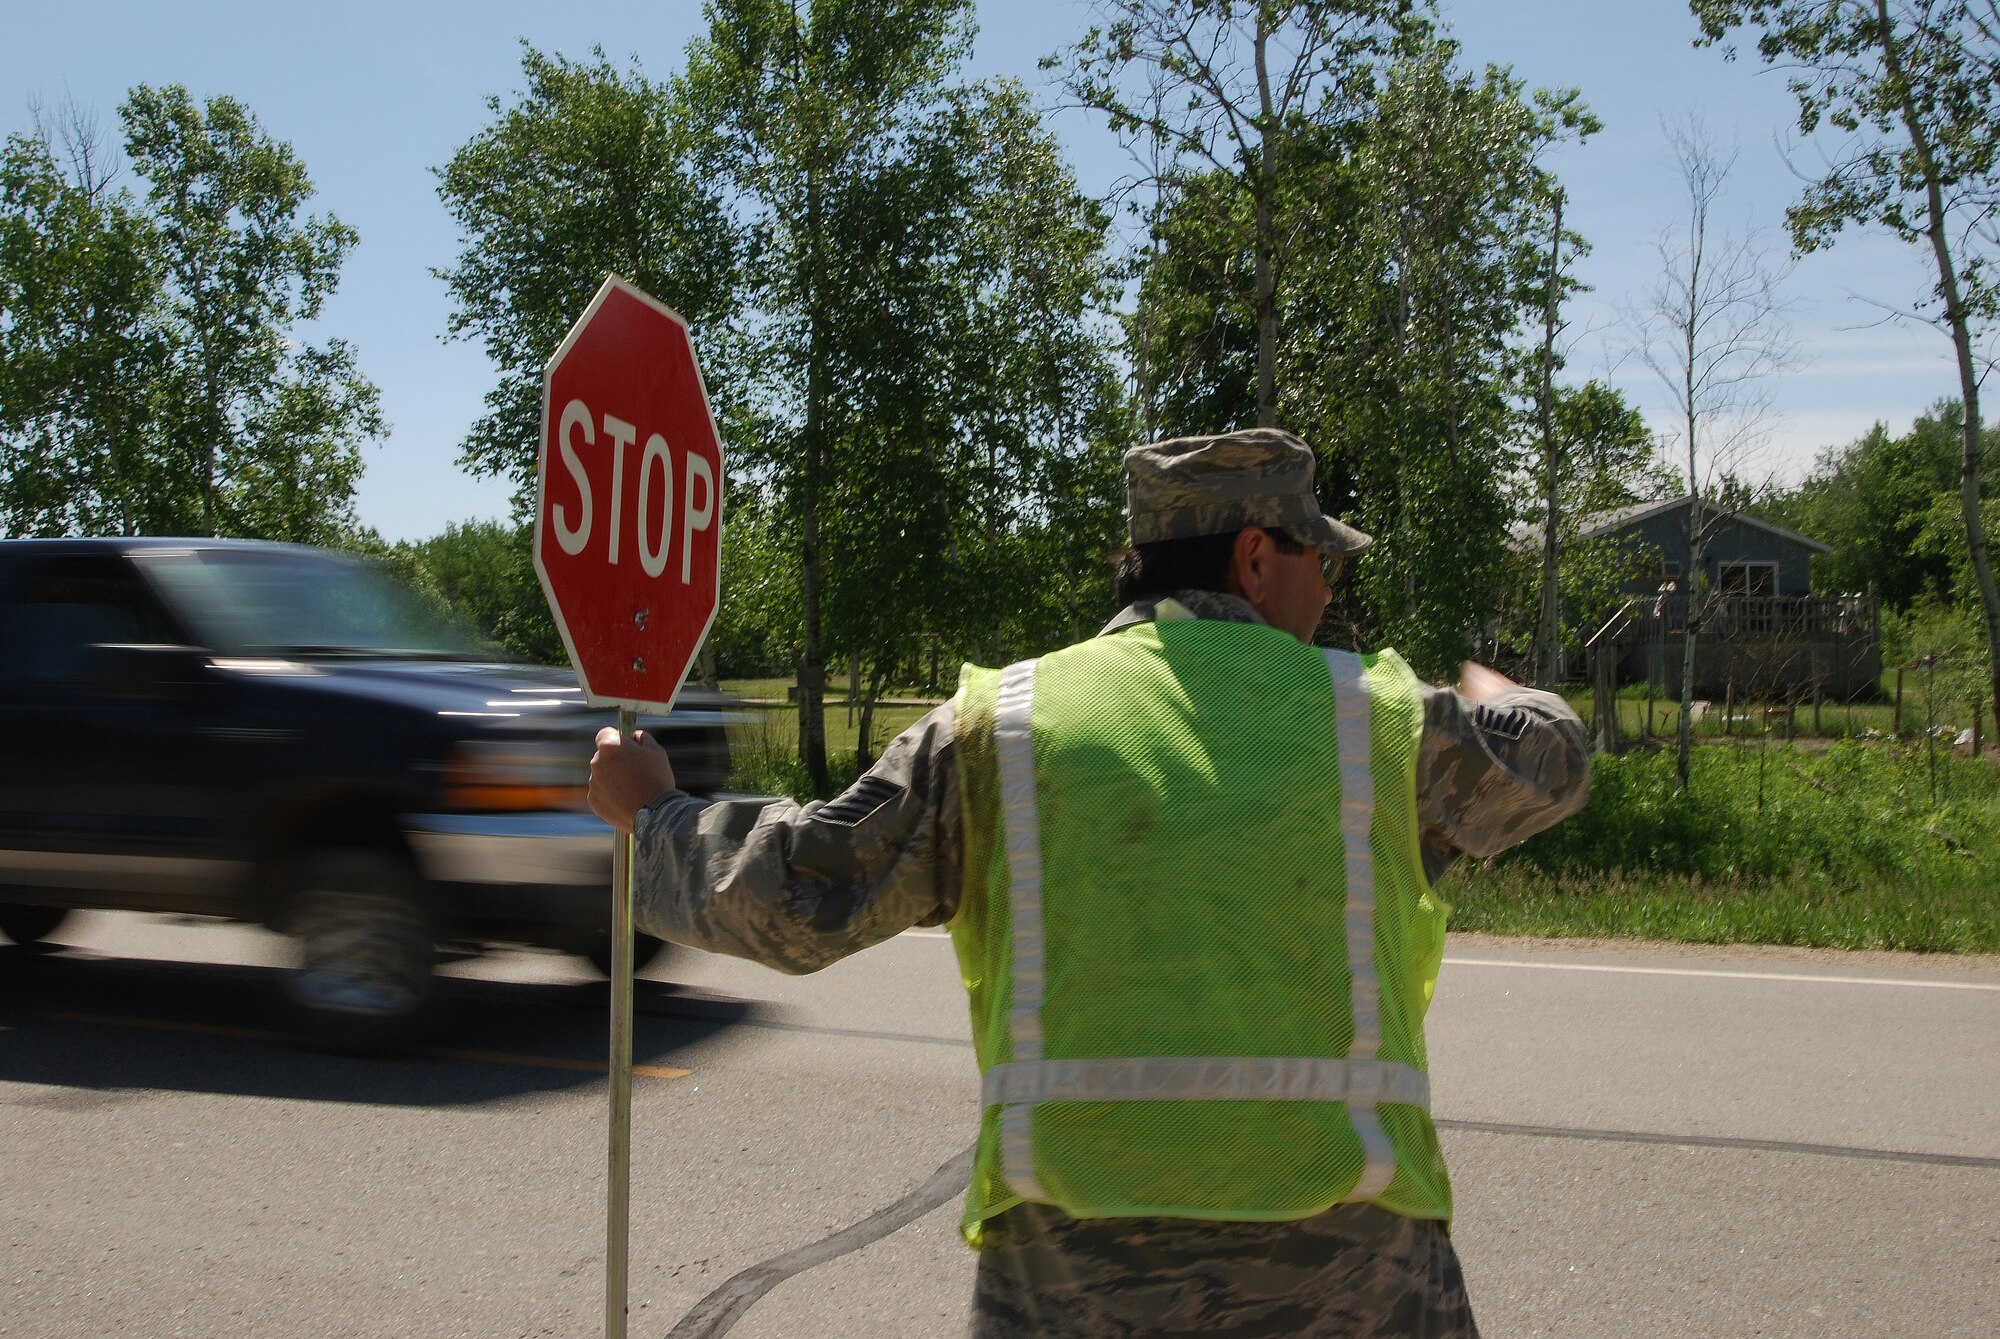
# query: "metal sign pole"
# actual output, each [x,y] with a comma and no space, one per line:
[618,1186]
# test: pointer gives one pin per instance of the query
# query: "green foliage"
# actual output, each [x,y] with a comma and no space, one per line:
[1246,100]
[1889,507]
[78,352]
[590,169]
[1910,89]
[1605,459]
[266,432]
[772,766]
[1852,814]
[151,381]
[1415,376]
[757,623]
[927,392]
[1416,273]
[485,571]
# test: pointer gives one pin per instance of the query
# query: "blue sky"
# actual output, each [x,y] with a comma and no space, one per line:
[374,95]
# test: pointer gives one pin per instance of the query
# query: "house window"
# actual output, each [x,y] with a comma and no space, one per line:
[1747,589]
[1753,579]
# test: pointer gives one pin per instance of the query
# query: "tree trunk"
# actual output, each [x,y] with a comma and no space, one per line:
[1684,735]
[1266,244]
[1690,579]
[1548,632]
[878,679]
[1961,340]
[812,667]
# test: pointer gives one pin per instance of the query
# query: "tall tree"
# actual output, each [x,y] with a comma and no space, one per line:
[1419,270]
[79,351]
[1913,89]
[152,381]
[1713,332]
[807,100]
[1548,626]
[1234,88]
[241,269]
[589,169]
[1423,369]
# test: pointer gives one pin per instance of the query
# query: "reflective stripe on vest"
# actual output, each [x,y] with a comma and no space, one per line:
[1360,1079]
[1014,749]
[1198,1078]
[1355,735]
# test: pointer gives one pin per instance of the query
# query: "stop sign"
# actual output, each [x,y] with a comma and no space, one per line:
[628,499]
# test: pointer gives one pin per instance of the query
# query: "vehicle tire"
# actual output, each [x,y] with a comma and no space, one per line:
[30,925]
[365,947]
[646,950]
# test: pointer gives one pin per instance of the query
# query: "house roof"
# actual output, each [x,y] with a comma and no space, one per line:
[1599,524]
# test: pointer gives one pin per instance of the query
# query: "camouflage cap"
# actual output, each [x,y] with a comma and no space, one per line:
[1193,486]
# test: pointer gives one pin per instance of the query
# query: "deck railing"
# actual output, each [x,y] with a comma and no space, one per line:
[1798,617]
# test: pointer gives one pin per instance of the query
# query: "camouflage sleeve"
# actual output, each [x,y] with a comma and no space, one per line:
[1490,774]
[799,888]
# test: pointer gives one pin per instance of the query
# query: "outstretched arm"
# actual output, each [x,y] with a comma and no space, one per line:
[795,888]
[1498,763]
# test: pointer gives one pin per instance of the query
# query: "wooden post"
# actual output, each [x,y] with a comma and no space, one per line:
[1729,700]
[1896,724]
[1817,691]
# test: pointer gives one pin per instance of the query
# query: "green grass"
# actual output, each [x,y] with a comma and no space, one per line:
[1882,915]
[1881,845]
[764,746]
[764,741]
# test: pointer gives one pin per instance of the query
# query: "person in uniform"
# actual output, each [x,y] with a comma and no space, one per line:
[1187,866]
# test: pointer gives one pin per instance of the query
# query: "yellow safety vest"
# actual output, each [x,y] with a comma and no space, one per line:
[1194,928]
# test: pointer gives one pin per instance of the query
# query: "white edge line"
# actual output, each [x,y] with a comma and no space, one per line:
[1744,976]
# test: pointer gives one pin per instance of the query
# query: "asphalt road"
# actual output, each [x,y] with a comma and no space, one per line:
[1650,1143]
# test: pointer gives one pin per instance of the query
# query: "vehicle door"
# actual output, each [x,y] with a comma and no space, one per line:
[110,786]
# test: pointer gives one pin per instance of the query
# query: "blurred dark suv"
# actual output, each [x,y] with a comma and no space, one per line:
[287,736]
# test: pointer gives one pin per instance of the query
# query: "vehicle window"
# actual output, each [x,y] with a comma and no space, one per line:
[63,607]
[300,602]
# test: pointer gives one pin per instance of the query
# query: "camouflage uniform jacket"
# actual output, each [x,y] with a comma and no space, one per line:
[800,887]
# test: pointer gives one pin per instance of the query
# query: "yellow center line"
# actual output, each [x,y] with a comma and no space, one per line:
[440,1052]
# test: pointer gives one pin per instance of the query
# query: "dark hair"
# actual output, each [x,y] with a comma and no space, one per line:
[1156,570]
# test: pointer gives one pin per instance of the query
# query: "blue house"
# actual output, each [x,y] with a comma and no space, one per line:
[1744,555]
[1760,631]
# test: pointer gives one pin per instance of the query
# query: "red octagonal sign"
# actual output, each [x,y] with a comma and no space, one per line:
[628,499]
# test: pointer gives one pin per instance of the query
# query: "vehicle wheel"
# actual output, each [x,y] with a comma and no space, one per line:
[646,950]
[365,949]
[30,925]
